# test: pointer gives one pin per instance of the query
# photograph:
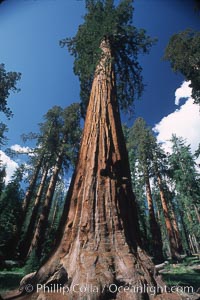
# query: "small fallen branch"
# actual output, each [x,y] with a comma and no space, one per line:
[161,266]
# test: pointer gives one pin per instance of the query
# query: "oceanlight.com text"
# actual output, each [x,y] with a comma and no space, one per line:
[111,288]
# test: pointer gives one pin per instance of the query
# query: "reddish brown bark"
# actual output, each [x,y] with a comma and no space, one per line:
[175,254]
[176,232]
[39,235]
[100,239]
[26,243]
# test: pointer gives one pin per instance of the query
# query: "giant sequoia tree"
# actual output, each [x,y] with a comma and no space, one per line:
[126,41]
[68,138]
[151,163]
[187,186]
[99,242]
[142,143]
[57,147]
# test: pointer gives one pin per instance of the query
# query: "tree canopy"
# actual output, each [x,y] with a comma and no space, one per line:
[183,52]
[8,82]
[105,20]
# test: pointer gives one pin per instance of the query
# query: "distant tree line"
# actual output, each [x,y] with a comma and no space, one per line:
[166,185]
[29,219]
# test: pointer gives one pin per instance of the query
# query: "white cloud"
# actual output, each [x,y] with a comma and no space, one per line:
[10,164]
[183,92]
[20,149]
[183,122]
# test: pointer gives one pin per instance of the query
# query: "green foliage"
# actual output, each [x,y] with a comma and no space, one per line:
[183,52]
[57,147]
[104,20]
[32,263]
[184,274]
[71,133]
[187,184]
[50,131]
[54,219]
[9,280]
[2,177]
[60,129]
[179,181]
[8,82]
[10,210]
[3,129]
[183,170]
[197,152]
[143,143]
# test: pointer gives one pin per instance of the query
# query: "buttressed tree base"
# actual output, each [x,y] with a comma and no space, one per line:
[99,254]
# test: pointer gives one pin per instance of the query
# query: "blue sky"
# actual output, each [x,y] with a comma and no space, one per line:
[30,31]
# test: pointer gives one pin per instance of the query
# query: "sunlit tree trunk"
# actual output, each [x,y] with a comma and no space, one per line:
[55,210]
[25,244]
[39,235]
[176,231]
[191,244]
[197,212]
[175,254]
[30,190]
[195,243]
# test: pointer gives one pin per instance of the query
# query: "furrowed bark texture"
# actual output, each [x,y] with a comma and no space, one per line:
[100,240]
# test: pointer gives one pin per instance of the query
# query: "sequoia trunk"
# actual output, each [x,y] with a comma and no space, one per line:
[174,249]
[39,235]
[100,241]
[176,231]
[197,212]
[26,243]
[30,190]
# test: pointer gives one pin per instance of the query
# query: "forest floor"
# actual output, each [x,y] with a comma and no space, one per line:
[184,274]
